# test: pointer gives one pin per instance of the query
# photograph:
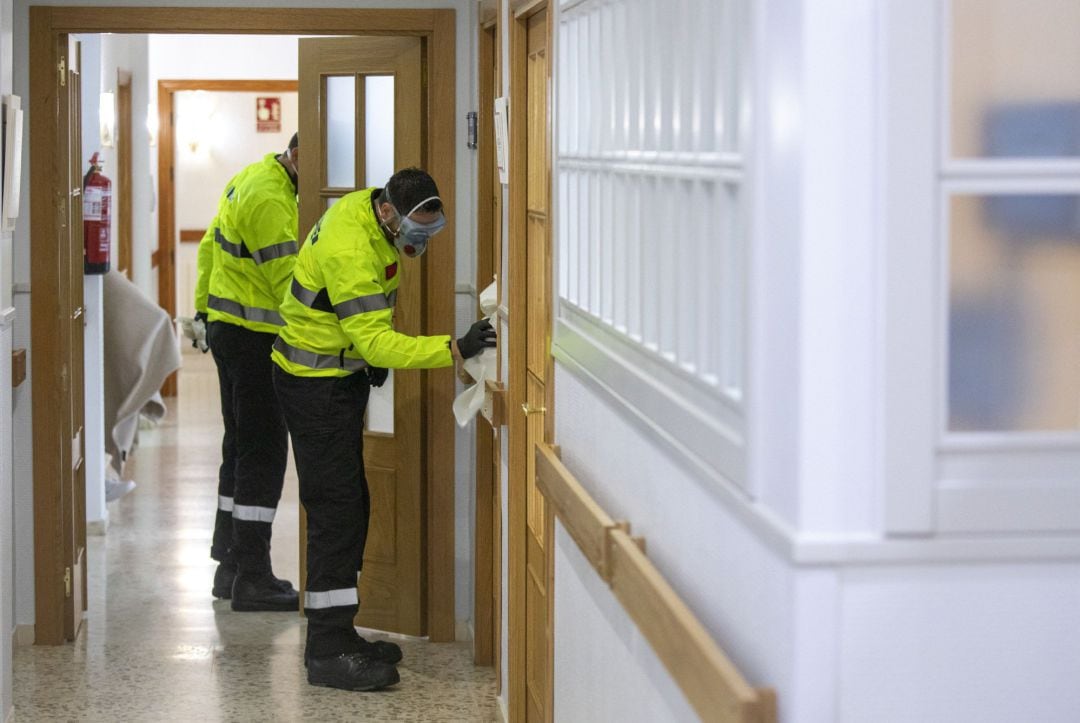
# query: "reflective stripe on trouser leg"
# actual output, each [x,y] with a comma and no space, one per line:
[224,534]
[326,421]
[261,441]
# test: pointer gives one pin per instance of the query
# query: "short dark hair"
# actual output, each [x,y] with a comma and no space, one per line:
[410,186]
[294,141]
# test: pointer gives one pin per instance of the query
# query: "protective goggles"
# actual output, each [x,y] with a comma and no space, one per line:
[412,237]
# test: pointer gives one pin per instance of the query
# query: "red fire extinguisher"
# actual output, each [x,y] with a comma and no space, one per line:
[97,200]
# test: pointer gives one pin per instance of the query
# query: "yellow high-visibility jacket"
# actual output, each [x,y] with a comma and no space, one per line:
[247,255]
[339,310]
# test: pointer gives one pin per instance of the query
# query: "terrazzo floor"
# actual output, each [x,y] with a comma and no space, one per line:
[155,646]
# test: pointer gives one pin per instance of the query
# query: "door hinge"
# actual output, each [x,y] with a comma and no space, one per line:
[61,68]
[67,582]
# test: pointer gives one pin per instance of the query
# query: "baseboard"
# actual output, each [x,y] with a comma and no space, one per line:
[22,635]
[504,716]
[463,631]
[97,527]
[9,717]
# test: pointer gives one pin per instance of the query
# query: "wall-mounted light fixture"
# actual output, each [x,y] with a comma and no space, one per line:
[107,119]
[194,127]
[152,123]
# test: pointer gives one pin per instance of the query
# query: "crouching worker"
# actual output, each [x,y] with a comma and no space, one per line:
[337,342]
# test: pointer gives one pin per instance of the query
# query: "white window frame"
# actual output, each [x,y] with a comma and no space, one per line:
[702,421]
[940,482]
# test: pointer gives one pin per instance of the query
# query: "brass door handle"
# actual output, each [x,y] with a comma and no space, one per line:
[532,410]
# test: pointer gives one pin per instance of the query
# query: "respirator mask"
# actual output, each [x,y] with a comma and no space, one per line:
[411,237]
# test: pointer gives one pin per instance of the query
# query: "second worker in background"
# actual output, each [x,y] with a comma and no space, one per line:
[337,342]
[246,261]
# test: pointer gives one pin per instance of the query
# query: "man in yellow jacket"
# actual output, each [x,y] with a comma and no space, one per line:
[337,342]
[245,263]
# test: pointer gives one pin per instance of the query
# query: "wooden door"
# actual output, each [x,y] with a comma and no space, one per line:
[531,366]
[60,580]
[487,600]
[349,88]
[122,190]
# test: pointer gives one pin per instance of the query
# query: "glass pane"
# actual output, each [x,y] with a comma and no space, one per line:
[1013,94]
[1014,312]
[341,131]
[331,201]
[378,129]
[380,409]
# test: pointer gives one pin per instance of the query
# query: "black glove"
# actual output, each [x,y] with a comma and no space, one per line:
[202,344]
[376,376]
[479,337]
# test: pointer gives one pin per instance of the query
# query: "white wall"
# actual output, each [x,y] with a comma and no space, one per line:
[739,587]
[97,515]
[799,580]
[7,502]
[7,556]
[201,175]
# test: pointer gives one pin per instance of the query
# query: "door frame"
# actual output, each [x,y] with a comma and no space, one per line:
[487,580]
[517,509]
[121,260]
[165,256]
[47,24]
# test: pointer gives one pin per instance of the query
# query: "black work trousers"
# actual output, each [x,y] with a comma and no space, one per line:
[254,449]
[325,416]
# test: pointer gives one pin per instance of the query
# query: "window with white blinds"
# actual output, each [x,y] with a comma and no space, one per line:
[652,229]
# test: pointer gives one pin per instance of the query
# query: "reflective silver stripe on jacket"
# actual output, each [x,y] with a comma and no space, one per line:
[250,313]
[358,305]
[237,250]
[361,304]
[317,361]
[225,504]
[276,251]
[251,513]
[330,598]
[304,295]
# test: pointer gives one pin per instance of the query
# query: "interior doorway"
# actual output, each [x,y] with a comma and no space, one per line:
[167,258]
[49,188]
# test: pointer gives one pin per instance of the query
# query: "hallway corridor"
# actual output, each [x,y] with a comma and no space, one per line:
[157,647]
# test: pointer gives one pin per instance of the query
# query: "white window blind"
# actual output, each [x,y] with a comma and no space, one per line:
[651,232]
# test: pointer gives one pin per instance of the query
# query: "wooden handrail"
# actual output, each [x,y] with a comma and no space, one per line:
[709,680]
[586,522]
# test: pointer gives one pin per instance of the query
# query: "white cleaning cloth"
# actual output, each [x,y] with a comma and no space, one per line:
[481,367]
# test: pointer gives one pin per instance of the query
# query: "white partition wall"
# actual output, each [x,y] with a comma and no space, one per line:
[817,271]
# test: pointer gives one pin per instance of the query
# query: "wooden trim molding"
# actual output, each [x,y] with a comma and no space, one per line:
[488,11]
[231,86]
[191,235]
[586,522]
[18,367]
[523,8]
[712,684]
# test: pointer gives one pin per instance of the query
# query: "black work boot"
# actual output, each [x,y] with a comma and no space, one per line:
[263,592]
[351,671]
[382,651]
[223,580]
